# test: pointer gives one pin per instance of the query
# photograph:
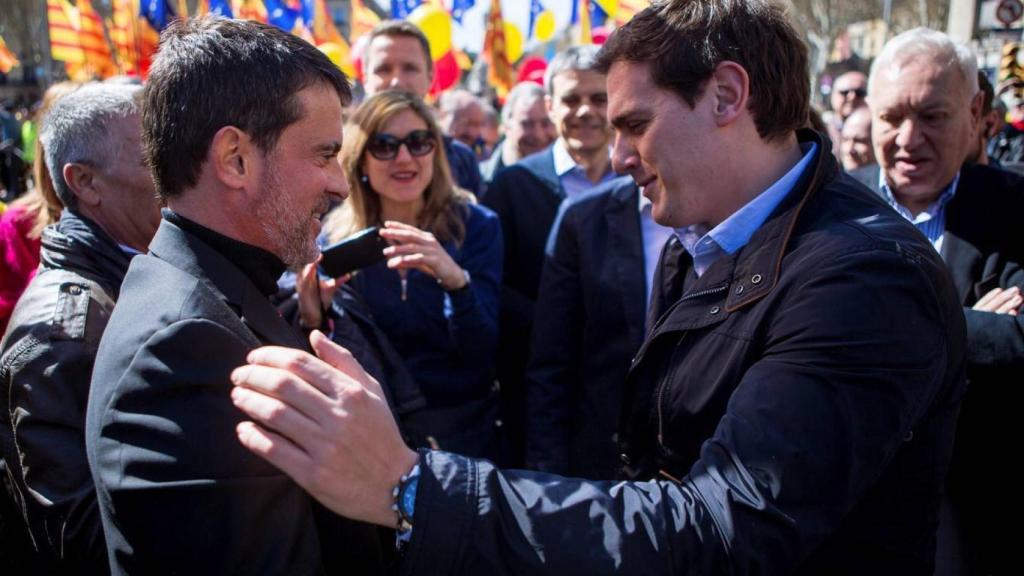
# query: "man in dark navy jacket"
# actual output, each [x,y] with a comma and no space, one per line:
[792,411]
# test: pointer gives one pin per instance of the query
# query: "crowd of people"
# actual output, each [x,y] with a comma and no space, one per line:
[652,315]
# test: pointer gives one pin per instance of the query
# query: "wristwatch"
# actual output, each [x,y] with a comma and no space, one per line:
[404,494]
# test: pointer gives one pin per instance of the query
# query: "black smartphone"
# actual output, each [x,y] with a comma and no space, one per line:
[360,250]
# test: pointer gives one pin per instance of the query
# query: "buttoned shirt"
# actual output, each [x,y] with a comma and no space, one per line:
[572,176]
[653,237]
[735,231]
[932,221]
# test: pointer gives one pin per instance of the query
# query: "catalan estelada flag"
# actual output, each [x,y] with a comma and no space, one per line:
[98,59]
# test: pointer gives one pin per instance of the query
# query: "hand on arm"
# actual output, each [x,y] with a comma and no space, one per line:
[1000,301]
[325,423]
[418,249]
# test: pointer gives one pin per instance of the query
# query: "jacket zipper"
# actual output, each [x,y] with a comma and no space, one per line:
[662,385]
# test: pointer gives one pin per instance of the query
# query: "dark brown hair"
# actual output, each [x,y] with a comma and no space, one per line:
[684,40]
[402,28]
[212,72]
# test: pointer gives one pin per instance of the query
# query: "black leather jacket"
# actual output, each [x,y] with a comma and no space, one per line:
[45,366]
[792,413]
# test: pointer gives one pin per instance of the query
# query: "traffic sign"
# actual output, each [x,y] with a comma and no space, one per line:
[1009,11]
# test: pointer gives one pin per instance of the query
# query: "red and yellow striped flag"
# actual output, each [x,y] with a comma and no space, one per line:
[134,39]
[499,71]
[7,58]
[63,25]
[98,59]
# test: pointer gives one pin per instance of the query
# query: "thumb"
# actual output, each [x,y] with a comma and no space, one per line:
[342,360]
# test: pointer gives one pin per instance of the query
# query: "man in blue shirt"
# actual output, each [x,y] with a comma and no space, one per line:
[791,412]
[926,105]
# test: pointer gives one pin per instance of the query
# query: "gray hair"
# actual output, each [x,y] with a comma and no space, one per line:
[74,130]
[583,57]
[523,91]
[931,43]
[454,101]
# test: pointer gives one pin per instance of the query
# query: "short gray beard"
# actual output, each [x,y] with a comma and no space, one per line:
[284,225]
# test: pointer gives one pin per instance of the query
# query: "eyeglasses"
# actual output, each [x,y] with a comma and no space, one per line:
[859,92]
[385,146]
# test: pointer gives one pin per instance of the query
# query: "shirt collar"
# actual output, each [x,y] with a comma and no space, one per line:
[932,209]
[563,161]
[735,231]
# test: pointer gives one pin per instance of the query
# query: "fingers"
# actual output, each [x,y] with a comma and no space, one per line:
[289,419]
[343,360]
[1000,300]
[276,449]
[308,369]
[404,234]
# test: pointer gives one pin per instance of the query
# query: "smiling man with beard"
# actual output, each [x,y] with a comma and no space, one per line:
[242,125]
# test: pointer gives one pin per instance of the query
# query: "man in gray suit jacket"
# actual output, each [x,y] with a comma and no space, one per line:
[242,125]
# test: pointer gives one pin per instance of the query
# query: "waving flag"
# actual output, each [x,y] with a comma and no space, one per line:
[581,10]
[459,8]
[535,9]
[62,19]
[7,58]
[219,7]
[499,71]
[98,59]
[251,10]
[363,20]
[400,9]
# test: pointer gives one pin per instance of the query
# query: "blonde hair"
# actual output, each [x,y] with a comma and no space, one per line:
[444,204]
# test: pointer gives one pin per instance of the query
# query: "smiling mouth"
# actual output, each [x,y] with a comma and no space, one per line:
[404,176]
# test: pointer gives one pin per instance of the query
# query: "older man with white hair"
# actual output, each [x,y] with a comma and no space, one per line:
[94,156]
[926,105]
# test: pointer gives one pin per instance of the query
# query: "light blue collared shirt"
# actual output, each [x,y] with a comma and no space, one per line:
[735,231]
[574,178]
[654,236]
[931,222]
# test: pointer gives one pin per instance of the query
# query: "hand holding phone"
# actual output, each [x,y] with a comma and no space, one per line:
[360,250]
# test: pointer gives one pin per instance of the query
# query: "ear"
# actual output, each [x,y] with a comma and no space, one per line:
[232,156]
[548,102]
[730,87]
[976,105]
[82,181]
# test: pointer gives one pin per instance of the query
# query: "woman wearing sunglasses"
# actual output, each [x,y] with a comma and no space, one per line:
[436,294]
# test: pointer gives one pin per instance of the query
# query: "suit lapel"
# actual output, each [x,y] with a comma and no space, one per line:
[223,278]
[625,250]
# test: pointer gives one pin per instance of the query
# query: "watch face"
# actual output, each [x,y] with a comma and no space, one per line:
[408,497]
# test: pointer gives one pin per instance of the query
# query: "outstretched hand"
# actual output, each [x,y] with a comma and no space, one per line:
[324,422]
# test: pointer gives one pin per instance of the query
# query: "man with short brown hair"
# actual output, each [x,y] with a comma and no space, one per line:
[791,409]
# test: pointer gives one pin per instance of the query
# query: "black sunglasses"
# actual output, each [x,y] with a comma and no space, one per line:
[385,146]
[860,92]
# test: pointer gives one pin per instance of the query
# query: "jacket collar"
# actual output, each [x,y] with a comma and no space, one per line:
[542,165]
[190,254]
[77,243]
[757,265]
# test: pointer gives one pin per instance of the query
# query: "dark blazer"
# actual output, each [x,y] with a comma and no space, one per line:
[525,196]
[178,493]
[983,249]
[589,322]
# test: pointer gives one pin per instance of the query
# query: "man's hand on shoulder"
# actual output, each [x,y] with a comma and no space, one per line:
[325,423]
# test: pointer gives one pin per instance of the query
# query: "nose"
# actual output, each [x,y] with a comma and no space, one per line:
[909,134]
[403,153]
[624,156]
[337,181]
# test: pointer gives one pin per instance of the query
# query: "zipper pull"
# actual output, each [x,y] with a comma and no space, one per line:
[405,287]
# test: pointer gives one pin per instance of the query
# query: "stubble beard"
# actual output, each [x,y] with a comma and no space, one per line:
[286,225]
